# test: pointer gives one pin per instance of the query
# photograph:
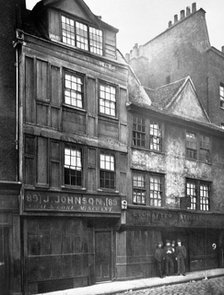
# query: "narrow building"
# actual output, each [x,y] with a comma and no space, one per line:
[73,125]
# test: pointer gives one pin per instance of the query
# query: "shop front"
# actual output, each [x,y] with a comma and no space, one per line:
[201,233]
[69,239]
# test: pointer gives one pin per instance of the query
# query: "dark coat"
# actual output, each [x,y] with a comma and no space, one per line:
[181,252]
[159,254]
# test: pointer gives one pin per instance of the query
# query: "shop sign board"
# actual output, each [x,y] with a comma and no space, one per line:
[171,218]
[67,202]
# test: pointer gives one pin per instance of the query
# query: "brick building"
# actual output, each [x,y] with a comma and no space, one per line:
[184,49]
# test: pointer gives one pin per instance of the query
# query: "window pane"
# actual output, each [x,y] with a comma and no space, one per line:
[155,194]
[73,91]
[82,36]
[155,136]
[72,167]
[96,41]
[138,133]
[68,31]
[107,100]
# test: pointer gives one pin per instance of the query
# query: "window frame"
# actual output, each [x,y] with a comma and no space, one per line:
[112,172]
[89,34]
[199,203]
[221,96]
[149,137]
[107,84]
[77,148]
[83,92]
[200,147]
[147,188]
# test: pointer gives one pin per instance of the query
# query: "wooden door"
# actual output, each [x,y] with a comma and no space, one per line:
[103,255]
[4,285]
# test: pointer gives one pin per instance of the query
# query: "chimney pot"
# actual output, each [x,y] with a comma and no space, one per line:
[169,24]
[194,7]
[182,14]
[175,18]
[188,11]
[223,49]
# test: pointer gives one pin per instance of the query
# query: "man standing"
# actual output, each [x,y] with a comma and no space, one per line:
[169,250]
[181,254]
[159,257]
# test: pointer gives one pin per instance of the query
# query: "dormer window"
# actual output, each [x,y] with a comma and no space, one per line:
[82,36]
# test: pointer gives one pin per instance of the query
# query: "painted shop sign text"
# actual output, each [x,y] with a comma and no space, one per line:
[52,201]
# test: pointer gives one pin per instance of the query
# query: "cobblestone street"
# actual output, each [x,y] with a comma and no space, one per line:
[214,286]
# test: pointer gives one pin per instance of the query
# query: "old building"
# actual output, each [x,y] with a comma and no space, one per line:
[95,168]
[184,49]
[175,182]
[10,279]
[73,124]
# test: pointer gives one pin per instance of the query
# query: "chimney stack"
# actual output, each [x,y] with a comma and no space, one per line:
[175,18]
[182,14]
[194,8]
[188,11]
[169,24]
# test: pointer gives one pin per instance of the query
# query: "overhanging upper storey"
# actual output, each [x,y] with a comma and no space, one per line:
[72,23]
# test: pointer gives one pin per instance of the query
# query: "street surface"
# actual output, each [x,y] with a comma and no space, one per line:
[213,286]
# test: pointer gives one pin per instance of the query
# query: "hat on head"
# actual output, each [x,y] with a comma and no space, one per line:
[167,241]
[160,242]
[178,240]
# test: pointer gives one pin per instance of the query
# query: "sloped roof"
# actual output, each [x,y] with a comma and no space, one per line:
[164,95]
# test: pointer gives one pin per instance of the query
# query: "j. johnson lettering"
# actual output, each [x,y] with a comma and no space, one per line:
[66,202]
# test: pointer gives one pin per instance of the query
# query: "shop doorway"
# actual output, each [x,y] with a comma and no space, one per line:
[173,235]
[4,261]
[103,255]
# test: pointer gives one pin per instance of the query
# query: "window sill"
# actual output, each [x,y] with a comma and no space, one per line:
[147,150]
[73,108]
[198,161]
[73,187]
[108,190]
[107,117]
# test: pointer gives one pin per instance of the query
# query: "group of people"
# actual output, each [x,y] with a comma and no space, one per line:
[170,259]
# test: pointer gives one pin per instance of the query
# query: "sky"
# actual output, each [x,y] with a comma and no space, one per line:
[139,21]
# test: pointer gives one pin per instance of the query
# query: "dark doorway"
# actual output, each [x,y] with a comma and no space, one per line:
[103,255]
[4,258]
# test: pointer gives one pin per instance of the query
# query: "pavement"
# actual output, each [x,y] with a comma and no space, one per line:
[123,286]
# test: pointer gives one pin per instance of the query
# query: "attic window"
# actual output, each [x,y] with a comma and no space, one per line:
[82,36]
